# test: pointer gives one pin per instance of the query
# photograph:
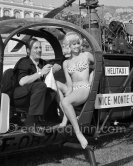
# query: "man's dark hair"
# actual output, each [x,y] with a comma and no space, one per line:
[30,44]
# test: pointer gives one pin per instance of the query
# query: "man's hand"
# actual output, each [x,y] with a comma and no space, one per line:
[46,69]
[56,67]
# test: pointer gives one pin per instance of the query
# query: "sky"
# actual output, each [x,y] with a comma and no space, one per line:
[123,3]
[116,2]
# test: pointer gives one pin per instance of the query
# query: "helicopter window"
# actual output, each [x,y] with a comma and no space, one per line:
[47,50]
[13,52]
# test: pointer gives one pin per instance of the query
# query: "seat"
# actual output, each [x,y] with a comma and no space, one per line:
[9,84]
[18,107]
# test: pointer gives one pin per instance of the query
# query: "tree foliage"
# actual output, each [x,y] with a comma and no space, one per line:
[70,17]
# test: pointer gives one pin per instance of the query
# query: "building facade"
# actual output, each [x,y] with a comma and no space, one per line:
[26,9]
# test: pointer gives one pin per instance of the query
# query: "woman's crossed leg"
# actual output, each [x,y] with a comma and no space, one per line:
[75,98]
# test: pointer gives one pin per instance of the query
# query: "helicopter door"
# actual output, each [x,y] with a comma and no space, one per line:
[4,98]
[1,58]
[4,113]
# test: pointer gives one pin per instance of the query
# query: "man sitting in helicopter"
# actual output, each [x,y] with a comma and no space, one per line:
[30,72]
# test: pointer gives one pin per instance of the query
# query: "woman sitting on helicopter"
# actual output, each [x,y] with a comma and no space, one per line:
[77,87]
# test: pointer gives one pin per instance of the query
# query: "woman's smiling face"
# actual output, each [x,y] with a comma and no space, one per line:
[75,46]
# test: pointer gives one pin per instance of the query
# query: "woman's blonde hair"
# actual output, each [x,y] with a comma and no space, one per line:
[70,38]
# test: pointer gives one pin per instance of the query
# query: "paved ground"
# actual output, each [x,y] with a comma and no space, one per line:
[116,152]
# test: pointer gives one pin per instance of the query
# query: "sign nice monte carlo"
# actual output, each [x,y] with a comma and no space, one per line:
[114,99]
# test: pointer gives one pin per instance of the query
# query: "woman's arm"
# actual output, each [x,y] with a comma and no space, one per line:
[90,57]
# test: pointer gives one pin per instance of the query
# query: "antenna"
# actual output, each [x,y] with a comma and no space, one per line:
[79,13]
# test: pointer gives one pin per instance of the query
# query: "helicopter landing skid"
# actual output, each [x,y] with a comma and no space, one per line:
[89,152]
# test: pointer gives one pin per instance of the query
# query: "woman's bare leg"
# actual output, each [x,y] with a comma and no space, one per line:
[69,111]
[67,103]
[62,87]
[64,120]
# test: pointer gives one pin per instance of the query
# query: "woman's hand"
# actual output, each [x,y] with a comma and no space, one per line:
[46,69]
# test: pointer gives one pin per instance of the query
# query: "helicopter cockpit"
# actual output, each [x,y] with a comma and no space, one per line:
[50,33]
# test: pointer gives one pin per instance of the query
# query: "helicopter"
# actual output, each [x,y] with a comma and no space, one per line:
[110,98]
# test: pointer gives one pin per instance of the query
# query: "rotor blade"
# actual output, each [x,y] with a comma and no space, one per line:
[55,11]
[20,45]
